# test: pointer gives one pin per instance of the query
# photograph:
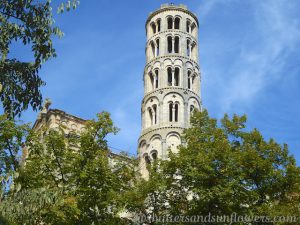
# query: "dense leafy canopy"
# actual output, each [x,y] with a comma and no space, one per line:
[29,23]
[69,179]
[72,178]
[222,170]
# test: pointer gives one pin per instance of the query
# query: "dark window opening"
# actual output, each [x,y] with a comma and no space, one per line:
[188,48]
[169,76]
[153,28]
[157,47]
[176,44]
[151,80]
[176,112]
[188,26]
[189,79]
[171,112]
[176,77]
[158,26]
[177,23]
[147,159]
[156,78]
[170,23]
[154,155]
[155,114]
[170,45]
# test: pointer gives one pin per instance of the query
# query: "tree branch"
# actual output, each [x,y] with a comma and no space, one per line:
[10,15]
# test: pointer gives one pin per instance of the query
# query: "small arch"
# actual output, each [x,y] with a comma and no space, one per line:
[176,76]
[193,28]
[152,49]
[188,48]
[153,27]
[192,108]
[170,111]
[157,47]
[156,79]
[173,111]
[176,47]
[170,44]
[170,78]
[142,143]
[154,154]
[173,140]
[188,26]
[176,112]
[193,50]
[147,159]
[158,25]
[189,79]
[170,23]
[154,107]
[177,23]
[151,79]
[150,116]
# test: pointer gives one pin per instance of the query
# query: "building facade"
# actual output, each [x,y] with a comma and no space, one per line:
[171,81]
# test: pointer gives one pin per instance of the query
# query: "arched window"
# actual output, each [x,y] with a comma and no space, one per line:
[156,79]
[192,108]
[158,25]
[176,76]
[193,28]
[152,49]
[177,23]
[153,28]
[170,47]
[188,48]
[147,160]
[155,114]
[154,155]
[176,45]
[170,79]
[170,23]
[171,111]
[189,80]
[176,112]
[157,47]
[193,55]
[188,25]
[151,78]
[150,113]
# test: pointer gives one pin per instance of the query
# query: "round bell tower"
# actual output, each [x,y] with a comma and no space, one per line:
[171,81]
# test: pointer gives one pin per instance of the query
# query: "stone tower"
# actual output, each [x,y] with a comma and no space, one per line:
[171,81]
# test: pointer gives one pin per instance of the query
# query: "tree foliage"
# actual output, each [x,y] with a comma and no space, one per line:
[70,178]
[223,169]
[31,23]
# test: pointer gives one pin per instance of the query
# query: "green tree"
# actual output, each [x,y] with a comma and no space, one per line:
[31,23]
[223,169]
[12,136]
[73,176]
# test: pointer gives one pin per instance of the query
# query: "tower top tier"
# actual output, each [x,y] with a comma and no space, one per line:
[172,7]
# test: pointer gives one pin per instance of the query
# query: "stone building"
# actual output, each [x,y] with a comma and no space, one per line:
[171,81]
[54,118]
[171,85]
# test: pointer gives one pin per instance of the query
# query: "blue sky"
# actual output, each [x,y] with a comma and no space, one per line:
[249,57]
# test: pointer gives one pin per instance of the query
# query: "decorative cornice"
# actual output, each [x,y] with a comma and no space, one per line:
[172,8]
[169,88]
[158,128]
[171,56]
[62,114]
[172,31]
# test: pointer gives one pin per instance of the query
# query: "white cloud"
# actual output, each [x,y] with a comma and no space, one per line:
[260,63]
